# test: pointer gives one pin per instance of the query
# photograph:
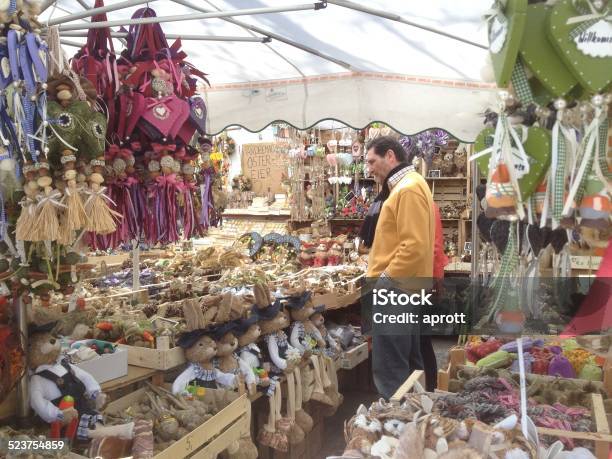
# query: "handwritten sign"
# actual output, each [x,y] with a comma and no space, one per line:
[265,163]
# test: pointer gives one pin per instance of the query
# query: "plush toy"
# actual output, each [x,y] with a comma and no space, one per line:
[64,395]
[304,335]
[320,256]
[227,360]
[283,358]
[335,255]
[333,348]
[307,253]
[200,350]
[330,350]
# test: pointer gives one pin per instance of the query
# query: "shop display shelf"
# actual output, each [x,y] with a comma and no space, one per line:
[211,437]
[601,437]
[157,359]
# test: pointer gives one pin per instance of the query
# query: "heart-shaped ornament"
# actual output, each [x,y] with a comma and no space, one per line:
[540,56]
[505,32]
[584,45]
[161,112]
[537,146]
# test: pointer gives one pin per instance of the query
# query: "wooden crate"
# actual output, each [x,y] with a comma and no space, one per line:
[353,357]
[210,438]
[457,359]
[154,358]
[601,437]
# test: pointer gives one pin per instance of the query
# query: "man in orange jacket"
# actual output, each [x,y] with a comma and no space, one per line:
[400,230]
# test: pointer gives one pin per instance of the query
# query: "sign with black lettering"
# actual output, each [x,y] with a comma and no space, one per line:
[265,163]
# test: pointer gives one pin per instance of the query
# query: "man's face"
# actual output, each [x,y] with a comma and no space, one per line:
[380,166]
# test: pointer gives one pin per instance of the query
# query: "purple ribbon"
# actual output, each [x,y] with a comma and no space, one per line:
[206,195]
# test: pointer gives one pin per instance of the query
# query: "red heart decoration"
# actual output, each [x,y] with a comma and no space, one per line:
[165,115]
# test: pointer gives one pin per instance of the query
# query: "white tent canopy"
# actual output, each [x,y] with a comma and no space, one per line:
[331,63]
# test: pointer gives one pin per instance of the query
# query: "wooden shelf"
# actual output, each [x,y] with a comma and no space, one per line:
[339,219]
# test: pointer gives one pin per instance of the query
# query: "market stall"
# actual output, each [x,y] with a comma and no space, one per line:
[169,291]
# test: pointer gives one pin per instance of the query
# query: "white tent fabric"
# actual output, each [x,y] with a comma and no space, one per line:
[382,70]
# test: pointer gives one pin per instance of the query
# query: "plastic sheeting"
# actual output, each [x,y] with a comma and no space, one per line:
[407,77]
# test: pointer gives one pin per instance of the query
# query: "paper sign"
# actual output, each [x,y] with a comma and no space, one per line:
[265,164]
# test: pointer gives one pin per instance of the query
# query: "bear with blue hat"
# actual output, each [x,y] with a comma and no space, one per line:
[200,347]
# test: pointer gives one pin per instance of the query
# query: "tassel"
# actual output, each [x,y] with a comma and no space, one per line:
[47,222]
[76,217]
[25,222]
[102,217]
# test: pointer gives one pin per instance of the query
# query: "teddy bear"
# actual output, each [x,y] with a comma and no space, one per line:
[304,335]
[320,256]
[333,348]
[200,349]
[283,358]
[62,394]
[334,257]
[325,368]
[227,360]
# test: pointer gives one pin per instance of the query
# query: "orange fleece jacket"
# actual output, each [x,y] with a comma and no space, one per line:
[404,239]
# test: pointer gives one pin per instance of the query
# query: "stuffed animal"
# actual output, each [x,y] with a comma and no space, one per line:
[200,349]
[64,395]
[304,335]
[330,350]
[335,255]
[284,358]
[281,358]
[460,160]
[333,348]
[227,360]
[361,432]
[447,165]
[320,256]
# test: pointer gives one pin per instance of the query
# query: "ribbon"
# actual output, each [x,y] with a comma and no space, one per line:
[159,148]
[114,151]
[588,159]
[169,179]
[520,83]
[588,17]
[563,150]
[101,192]
[509,262]
[53,197]
[502,152]
[496,11]
[206,196]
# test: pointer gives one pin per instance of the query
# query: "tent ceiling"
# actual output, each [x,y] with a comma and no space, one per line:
[365,43]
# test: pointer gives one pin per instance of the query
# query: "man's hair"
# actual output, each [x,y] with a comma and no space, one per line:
[382,144]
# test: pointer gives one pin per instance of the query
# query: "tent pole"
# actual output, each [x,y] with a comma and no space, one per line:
[175,36]
[398,18]
[72,43]
[83,4]
[46,4]
[190,17]
[93,11]
[274,36]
